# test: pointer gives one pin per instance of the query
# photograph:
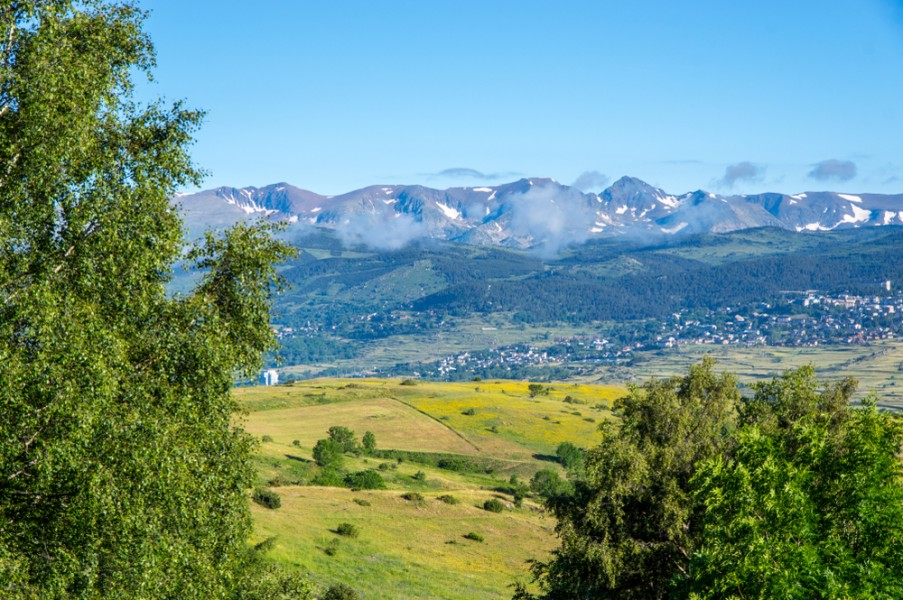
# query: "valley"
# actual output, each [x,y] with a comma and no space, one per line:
[487,432]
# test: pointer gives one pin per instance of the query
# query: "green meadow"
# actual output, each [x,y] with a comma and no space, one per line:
[416,547]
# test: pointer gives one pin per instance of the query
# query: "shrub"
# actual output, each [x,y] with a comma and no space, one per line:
[448,499]
[412,497]
[469,412]
[537,389]
[365,480]
[328,454]
[340,591]
[278,481]
[474,536]
[569,455]
[344,437]
[547,483]
[493,505]
[419,476]
[332,547]
[348,530]
[369,442]
[460,465]
[266,498]
[478,378]
[296,443]
[266,439]
[408,382]
[329,478]
[361,502]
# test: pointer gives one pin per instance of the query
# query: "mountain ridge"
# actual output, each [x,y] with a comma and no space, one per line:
[533,212]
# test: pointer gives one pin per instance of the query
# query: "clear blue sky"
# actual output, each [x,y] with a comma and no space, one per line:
[726,96]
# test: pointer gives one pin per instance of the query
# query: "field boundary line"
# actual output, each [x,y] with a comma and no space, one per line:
[426,414]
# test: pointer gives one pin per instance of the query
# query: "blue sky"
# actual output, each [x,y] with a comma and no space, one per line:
[734,97]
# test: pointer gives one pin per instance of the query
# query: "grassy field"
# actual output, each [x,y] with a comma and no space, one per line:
[416,549]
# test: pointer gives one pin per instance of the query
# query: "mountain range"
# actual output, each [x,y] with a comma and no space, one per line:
[532,213]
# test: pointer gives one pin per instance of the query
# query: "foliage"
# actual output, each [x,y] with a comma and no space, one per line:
[365,480]
[327,454]
[329,478]
[811,499]
[361,502]
[419,476]
[448,499]
[548,484]
[627,528]
[569,455]
[344,437]
[369,442]
[793,494]
[493,505]
[348,530]
[415,497]
[474,536]
[266,498]
[538,389]
[121,471]
[341,591]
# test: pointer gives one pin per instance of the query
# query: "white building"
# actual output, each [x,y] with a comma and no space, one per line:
[270,377]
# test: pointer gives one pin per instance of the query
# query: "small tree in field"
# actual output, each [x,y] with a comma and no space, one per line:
[369,442]
[344,437]
[328,454]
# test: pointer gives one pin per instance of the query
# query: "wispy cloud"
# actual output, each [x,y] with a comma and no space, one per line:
[742,171]
[389,231]
[552,216]
[468,173]
[590,180]
[833,170]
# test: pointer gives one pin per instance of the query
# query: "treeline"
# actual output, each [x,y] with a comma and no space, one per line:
[667,285]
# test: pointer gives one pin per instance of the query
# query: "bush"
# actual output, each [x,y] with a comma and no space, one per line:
[569,455]
[344,437]
[266,439]
[369,442]
[361,502]
[460,465]
[412,497]
[537,389]
[328,454]
[266,498]
[332,547]
[329,478]
[278,481]
[408,382]
[474,536]
[469,412]
[448,499]
[365,480]
[340,591]
[348,530]
[547,483]
[419,476]
[493,505]
[296,443]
